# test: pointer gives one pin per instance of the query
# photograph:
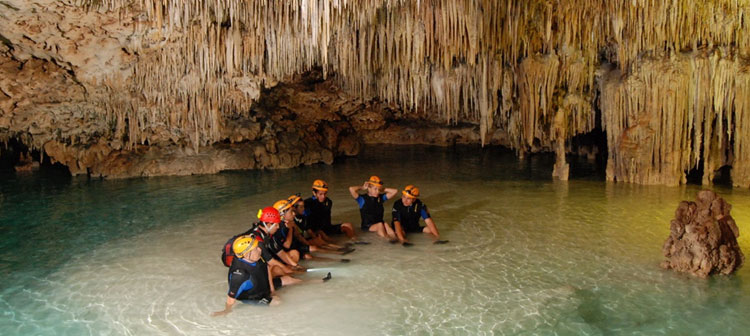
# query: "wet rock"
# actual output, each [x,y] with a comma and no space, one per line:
[703,238]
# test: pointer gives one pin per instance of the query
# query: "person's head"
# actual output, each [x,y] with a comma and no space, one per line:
[286,207]
[320,190]
[269,219]
[247,247]
[299,208]
[374,185]
[409,194]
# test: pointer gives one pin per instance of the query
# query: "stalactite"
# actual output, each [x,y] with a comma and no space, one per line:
[526,67]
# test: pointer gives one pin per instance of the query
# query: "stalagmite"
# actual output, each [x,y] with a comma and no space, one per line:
[703,238]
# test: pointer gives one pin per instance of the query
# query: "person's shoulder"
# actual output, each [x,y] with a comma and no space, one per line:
[309,200]
[398,203]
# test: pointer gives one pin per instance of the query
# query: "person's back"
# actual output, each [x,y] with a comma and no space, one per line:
[249,280]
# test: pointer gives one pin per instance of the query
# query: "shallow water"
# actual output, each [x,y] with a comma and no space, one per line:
[527,255]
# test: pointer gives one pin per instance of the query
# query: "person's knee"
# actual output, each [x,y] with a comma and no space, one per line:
[294,255]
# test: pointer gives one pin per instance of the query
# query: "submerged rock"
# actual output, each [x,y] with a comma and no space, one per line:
[703,238]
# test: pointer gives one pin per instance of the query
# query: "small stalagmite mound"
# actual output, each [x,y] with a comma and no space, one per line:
[703,238]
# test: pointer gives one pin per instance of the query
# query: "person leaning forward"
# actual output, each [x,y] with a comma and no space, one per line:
[371,206]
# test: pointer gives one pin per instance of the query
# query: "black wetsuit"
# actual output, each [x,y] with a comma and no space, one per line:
[296,244]
[409,216]
[249,281]
[319,215]
[269,245]
[371,209]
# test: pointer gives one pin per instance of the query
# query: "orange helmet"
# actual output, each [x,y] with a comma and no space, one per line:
[320,185]
[269,215]
[286,204]
[411,191]
[376,181]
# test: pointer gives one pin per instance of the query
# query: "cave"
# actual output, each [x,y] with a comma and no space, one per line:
[551,139]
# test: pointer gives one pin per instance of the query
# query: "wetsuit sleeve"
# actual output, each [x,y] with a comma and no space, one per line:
[265,253]
[425,214]
[239,281]
[384,197]
[361,201]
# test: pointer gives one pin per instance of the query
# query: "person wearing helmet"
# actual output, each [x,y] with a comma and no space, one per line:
[371,206]
[406,214]
[284,236]
[265,229]
[318,211]
[249,278]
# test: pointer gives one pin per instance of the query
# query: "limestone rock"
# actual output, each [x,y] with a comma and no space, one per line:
[703,238]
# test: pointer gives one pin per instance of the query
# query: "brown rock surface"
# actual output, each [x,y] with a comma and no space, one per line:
[703,238]
[667,81]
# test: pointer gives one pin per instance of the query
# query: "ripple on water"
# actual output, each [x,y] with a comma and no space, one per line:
[526,257]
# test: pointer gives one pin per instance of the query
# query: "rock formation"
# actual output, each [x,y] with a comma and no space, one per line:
[667,80]
[703,238]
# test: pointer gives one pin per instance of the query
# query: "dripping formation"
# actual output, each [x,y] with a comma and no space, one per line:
[667,79]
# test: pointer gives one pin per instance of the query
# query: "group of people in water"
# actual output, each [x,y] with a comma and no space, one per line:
[265,258]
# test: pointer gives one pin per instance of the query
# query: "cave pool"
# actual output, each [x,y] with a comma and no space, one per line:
[527,255]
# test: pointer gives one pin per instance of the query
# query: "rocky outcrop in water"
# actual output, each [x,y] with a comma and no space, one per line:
[703,238]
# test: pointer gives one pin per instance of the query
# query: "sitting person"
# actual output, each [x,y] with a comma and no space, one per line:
[371,206]
[318,211]
[249,278]
[406,214]
[265,230]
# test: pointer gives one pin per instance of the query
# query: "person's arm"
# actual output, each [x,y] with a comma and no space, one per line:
[390,192]
[433,227]
[227,307]
[288,240]
[270,280]
[300,237]
[354,190]
[399,231]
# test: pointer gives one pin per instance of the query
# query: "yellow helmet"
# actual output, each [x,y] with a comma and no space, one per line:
[286,204]
[376,181]
[320,185]
[411,191]
[244,244]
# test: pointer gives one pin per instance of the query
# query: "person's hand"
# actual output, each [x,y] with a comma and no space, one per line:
[275,300]
[219,313]
[364,186]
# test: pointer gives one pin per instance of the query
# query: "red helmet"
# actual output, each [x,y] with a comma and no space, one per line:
[269,215]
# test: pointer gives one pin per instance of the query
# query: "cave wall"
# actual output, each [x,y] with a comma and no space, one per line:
[665,77]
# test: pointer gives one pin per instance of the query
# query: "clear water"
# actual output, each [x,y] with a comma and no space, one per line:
[527,255]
